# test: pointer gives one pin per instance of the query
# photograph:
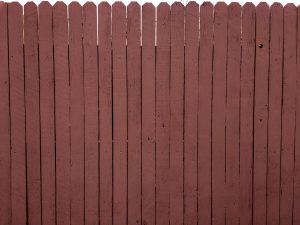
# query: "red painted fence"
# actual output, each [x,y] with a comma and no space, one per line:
[142,115]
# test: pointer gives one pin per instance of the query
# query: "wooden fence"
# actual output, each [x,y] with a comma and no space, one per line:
[142,115]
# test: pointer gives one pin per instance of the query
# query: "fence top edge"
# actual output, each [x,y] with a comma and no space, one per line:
[260,4]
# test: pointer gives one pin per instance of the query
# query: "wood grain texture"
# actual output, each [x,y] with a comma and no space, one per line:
[218,115]
[205,114]
[274,124]
[163,114]
[17,114]
[261,113]
[5,157]
[47,113]
[148,114]
[296,199]
[233,113]
[246,113]
[176,113]
[105,114]
[190,118]
[32,98]
[62,114]
[288,114]
[141,114]
[76,112]
[91,113]
[134,99]
[119,113]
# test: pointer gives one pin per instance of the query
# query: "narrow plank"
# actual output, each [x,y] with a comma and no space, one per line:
[62,115]
[148,114]
[119,113]
[176,113]
[246,113]
[288,114]
[204,113]
[261,114]
[91,113]
[233,113]
[105,112]
[32,99]
[134,112]
[218,115]
[5,163]
[17,114]
[190,115]
[76,113]
[296,209]
[47,115]
[274,124]
[162,114]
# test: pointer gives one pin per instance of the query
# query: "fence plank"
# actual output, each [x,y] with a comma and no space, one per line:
[148,114]
[233,113]
[62,116]
[105,112]
[5,162]
[190,113]
[162,114]
[91,112]
[119,113]
[47,113]
[274,124]
[176,113]
[218,116]
[288,114]
[261,113]
[246,113]
[296,216]
[76,113]
[17,114]
[32,113]
[134,112]
[204,112]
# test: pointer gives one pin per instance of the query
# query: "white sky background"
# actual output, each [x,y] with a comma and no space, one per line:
[156,2]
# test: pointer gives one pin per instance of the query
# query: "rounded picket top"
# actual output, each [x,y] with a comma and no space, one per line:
[89,5]
[206,10]
[118,5]
[45,4]
[3,6]
[60,5]
[104,5]
[276,8]
[220,5]
[289,6]
[234,5]
[263,5]
[177,11]
[74,4]
[15,6]
[30,5]
[206,4]
[192,4]
[148,6]
[134,5]
[249,5]
[163,6]
[277,5]
[177,5]
[30,9]
[192,11]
